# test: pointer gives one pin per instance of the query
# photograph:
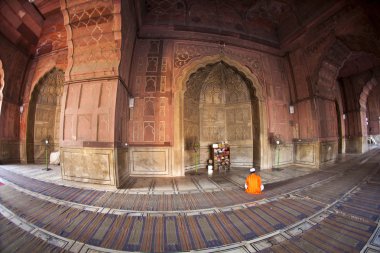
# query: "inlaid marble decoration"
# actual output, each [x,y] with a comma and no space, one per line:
[151,83]
[152,65]
[149,106]
[163,84]
[164,64]
[162,131]
[154,47]
[149,131]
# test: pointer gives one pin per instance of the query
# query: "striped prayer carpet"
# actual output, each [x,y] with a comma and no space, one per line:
[364,204]
[336,188]
[157,202]
[346,230]
[158,233]
[14,239]
[334,234]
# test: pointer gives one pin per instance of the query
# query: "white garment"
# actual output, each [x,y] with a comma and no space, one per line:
[262,187]
[54,158]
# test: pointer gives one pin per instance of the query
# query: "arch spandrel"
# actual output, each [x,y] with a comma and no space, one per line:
[192,67]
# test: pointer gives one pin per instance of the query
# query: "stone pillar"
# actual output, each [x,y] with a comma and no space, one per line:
[88,122]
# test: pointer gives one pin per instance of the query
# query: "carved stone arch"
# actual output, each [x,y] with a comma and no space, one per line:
[370,85]
[43,120]
[180,81]
[336,56]
[325,83]
[365,92]
[330,65]
[1,83]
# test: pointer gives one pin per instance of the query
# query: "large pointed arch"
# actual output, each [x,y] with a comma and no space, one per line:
[43,114]
[181,79]
[325,84]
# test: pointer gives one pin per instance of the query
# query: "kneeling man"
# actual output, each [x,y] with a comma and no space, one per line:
[253,183]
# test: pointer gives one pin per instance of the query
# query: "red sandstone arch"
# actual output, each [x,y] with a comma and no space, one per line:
[181,79]
[336,56]
[365,92]
[370,85]
[341,50]
[34,142]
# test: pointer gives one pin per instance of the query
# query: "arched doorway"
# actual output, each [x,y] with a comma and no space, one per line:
[220,105]
[44,116]
[253,84]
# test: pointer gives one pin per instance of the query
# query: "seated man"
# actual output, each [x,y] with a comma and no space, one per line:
[253,183]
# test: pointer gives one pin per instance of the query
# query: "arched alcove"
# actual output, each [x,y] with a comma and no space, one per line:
[182,142]
[339,62]
[44,116]
[220,105]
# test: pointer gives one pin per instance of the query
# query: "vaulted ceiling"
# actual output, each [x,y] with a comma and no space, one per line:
[264,21]
[273,23]
[22,21]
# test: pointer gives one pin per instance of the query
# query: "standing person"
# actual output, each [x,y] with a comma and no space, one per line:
[253,183]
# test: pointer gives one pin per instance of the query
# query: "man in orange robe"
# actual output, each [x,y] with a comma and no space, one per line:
[253,183]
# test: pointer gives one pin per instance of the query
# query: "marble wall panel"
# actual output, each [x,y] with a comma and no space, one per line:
[149,161]
[88,165]
[122,166]
[328,151]
[305,153]
[241,156]
[283,155]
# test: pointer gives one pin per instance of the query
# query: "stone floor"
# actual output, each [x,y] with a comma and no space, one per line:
[334,209]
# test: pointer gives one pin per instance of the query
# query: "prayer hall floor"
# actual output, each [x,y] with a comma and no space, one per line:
[334,209]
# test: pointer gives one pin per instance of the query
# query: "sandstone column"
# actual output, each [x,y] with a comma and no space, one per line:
[89,138]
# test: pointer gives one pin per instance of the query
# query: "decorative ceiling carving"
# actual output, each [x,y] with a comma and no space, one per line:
[256,18]
[263,21]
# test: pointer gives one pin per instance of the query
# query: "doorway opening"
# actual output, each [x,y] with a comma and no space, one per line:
[220,105]
[44,116]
